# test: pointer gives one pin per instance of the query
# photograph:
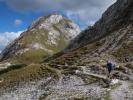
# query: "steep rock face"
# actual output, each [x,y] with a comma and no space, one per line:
[117,16]
[47,35]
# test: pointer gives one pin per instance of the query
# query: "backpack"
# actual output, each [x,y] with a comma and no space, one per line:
[111,66]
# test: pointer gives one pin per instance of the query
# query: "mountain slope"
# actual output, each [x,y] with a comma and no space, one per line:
[112,33]
[46,36]
[117,16]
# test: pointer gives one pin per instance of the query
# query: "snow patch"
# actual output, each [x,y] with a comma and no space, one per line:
[114,81]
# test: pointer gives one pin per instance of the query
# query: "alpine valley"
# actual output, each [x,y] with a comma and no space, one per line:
[53,60]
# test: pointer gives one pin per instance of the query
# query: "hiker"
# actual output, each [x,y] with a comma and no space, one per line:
[110,68]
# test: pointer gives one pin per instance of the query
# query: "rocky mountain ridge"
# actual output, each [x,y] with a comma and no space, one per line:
[116,17]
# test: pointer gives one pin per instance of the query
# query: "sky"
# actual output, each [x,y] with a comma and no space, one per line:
[17,15]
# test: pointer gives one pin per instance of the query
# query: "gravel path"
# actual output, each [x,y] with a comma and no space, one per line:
[123,92]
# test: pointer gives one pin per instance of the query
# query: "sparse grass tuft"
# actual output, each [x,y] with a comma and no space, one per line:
[28,57]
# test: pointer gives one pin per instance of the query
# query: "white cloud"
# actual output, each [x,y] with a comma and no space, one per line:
[87,11]
[18,22]
[7,37]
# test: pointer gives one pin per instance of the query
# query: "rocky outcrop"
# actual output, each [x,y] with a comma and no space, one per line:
[45,36]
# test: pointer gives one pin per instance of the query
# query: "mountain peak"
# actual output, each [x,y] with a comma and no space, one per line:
[46,35]
[46,21]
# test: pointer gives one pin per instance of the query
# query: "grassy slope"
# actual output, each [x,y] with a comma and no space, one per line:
[72,56]
[28,73]
[37,55]
[32,56]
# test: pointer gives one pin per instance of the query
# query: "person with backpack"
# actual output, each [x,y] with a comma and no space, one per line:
[110,68]
[111,78]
